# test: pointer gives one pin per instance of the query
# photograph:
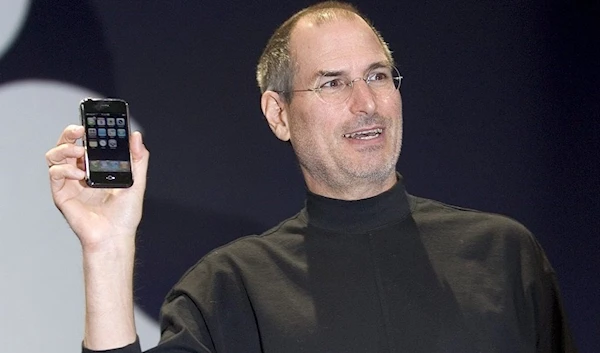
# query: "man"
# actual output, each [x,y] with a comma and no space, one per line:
[364,267]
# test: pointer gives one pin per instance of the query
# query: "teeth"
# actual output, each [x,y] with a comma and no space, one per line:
[364,135]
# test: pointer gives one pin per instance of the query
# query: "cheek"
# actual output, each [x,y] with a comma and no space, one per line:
[395,103]
[312,126]
[395,110]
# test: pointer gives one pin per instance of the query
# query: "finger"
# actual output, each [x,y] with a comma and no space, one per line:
[60,154]
[139,158]
[61,173]
[70,134]
[80,163]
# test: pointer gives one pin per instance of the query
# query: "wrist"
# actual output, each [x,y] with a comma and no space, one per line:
[109,265]
[108,279]
[113,247]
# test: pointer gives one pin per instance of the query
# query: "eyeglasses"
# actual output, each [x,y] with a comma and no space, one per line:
[333,88]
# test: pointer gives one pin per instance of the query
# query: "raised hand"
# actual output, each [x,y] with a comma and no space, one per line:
[99,217]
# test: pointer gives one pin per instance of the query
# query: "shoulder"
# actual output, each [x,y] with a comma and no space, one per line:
[477,235]
[436,214]
[473,232]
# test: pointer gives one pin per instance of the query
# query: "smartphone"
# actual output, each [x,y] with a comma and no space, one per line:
[106,142]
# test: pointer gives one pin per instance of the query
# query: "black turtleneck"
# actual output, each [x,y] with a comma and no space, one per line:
[392,273]
[358,216]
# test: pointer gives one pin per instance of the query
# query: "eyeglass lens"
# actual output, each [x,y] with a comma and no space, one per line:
[335,89]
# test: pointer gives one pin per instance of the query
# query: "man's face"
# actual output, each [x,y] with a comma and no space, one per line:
[333,163]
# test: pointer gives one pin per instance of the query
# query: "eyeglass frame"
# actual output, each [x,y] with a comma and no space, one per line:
[350,83]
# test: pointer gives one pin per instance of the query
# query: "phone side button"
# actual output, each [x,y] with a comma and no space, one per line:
[110,177]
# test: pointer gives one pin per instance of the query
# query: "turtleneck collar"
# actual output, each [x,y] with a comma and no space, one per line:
[358,216]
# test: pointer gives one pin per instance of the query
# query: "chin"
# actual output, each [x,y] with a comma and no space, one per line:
[374,173]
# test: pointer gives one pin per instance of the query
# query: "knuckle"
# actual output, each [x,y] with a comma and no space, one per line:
[55,173]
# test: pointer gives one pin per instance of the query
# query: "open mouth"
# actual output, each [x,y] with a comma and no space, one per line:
[365,135]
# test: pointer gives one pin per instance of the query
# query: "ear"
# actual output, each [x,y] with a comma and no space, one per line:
[275,111]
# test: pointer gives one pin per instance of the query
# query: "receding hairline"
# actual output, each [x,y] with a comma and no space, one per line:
[326,15]
[329,16]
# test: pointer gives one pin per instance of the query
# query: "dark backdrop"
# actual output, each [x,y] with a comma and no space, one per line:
[501,107]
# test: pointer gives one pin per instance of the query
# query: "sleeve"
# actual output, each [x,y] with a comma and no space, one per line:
[183,327]
[131,348]
[554,335]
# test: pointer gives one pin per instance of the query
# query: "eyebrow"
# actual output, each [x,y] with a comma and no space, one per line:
[327,73]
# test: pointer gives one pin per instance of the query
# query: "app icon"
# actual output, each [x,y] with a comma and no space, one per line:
[94,166]
[104,165]
[102,143]
[93,143]
[114,166]
[110,121]
[121,121]
[124,166]
[112,132]
[91,121]
[121,133]
[112,143]
[102,132]
[91,133]
[101,121]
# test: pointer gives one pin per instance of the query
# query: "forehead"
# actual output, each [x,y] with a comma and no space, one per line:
[343,43]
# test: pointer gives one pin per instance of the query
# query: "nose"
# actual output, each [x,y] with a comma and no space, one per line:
[361,100]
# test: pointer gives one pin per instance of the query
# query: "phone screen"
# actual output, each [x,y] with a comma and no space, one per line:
[107,159]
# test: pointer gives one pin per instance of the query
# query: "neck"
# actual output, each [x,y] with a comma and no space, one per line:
[358,216]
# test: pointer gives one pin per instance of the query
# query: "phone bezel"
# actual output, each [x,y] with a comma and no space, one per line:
[105,179]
